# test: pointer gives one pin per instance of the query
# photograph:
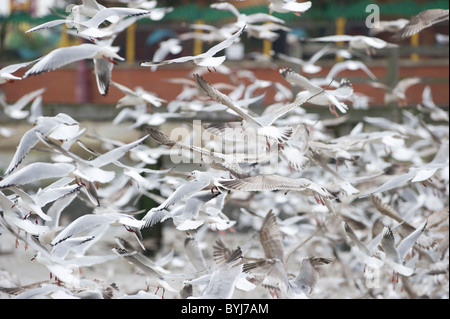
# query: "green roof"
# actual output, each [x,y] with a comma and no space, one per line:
[352,10]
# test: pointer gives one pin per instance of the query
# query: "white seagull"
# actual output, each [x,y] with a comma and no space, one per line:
[200,180]
[102,54]
[277,182]
[260,126]
[137,97]
[60,126]
[207,58]
[91,170]
[423,20]
[222,282]
[285,6]
[6,73]
[81,24]
[16,111]
[317,95]
[309,66]
[357,42]
[395,256]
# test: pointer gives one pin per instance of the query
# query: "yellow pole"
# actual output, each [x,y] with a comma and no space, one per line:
[131,44]
[198,44]
[340,30]
[267,47]
[414,40]
[64,39]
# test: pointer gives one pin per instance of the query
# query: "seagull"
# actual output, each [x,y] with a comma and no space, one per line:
[154,278]
[285,6]
[35,172]
[307,277]
[35,203]
[367,253]
[60,126]
[11,216]
[199,181]
[423,20]
[357,42]
[395,256]
[207,58]
[92,171]
[398,93]
[317,95]
[170,46]
[6,73]
[94,22]
[428,106]
[349,65]
[217,160]
[89,223]
[223,280]
[103,55]
[244,19]
[309,66]
[272,269]
[137,97]
[259,126]
[388,26]
[277,182]
[186,215]
[16,111]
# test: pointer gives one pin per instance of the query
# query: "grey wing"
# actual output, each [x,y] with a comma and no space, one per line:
[388,244]
[35,172]
[421,21]
[396,181]
[14,67]
[221,98]
[407,243]
[133,260]
[351,234]
[296,79]
[47,25]
[222,283]
[102,70]
[265,182]
[81,224]
[221,253]
[273,272]
[62,249]
[116,153]
[62,56]
[104,14]
[307,277]
[183,191]
[27,142]
[194,253]
[194,202]
[227,130]
[177,60]
[270,237]
[224,44]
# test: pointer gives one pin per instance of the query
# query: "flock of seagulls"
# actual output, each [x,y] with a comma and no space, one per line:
[272,203]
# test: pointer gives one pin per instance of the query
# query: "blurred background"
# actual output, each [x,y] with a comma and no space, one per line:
[424,55]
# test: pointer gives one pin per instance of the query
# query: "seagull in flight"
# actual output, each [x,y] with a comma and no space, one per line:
[206,59]
[423,20]
[317,95]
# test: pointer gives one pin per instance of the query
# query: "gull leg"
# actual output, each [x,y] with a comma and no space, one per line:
[333,110]
[110,60]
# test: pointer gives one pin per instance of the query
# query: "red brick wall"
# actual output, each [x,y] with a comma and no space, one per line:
[61,83]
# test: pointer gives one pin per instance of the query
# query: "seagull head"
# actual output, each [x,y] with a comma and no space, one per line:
[194,174]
